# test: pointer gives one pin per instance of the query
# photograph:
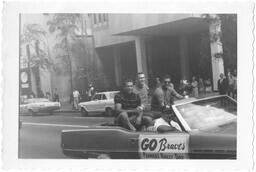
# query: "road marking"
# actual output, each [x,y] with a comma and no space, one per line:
[79,117]
[54,125]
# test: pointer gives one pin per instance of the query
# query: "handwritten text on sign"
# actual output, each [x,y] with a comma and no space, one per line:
[164,143]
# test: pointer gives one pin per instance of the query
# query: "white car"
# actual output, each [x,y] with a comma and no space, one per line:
[36,105]
[101,102]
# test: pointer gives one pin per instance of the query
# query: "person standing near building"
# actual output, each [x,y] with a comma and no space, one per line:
[76,96]
[231,82]
[201,86]
[222,85]
[90,91]
[56,96]
[194,85]
[208,85]
[235,84]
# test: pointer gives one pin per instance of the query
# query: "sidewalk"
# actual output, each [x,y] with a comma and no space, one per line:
[67,108]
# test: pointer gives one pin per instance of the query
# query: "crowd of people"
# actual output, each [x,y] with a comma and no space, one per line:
[135,112]
[228,84]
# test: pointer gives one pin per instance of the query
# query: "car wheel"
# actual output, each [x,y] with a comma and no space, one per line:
[103,156]
[109,111]
[84,112]
[32,112]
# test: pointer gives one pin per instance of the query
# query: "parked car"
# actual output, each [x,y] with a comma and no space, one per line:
[101,102]
[38,105]
[208,132]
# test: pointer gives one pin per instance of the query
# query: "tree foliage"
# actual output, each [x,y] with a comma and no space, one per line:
[65,26]
[34,34]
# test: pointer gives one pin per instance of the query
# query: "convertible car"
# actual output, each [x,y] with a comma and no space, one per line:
[208,132]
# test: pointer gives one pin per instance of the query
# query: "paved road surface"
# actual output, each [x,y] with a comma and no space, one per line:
[39,136]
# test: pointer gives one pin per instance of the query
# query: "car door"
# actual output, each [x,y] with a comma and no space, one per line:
[94,105]
[110,100]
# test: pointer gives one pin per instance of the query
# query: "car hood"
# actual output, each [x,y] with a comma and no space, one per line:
[229,129]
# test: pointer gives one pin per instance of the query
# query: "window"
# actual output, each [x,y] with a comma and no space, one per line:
[105,17]
[104,97]
[100,18]
[97,97]
[94,18]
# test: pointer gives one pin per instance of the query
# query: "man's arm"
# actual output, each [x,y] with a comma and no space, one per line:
[165,128]
[175,94]
[118,108]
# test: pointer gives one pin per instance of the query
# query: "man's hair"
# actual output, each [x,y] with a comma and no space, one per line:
[166,77]
[127,80]
[140,73]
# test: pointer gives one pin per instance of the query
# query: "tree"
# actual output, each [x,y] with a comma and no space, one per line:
[227,35]
[33,35]
[65,26]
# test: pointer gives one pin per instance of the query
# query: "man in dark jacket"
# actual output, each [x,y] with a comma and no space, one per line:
[222,85]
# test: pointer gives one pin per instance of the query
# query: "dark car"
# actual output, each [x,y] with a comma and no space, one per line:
[208,132]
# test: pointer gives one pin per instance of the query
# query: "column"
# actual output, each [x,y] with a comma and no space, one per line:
[117,65]
[149,57]
[184,59]
[216,48]
[141,56]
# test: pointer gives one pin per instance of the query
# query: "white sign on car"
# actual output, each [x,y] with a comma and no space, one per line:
[163,146]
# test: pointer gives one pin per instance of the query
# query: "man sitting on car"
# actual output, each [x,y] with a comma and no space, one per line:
[163,96]
[129,109]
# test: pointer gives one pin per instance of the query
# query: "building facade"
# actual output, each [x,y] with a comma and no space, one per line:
[156,44]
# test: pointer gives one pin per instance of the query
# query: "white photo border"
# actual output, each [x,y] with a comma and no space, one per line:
[10,57]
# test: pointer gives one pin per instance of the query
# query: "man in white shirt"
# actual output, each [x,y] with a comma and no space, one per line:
[165,124]
[76,96]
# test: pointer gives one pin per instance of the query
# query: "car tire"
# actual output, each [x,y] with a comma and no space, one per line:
[32,112]
[103,156]
[109,111]
[84,112]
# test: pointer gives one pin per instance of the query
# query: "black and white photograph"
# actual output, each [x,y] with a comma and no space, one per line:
[132,85]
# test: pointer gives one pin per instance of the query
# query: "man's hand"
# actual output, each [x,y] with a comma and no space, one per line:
[138,120]
[139,109]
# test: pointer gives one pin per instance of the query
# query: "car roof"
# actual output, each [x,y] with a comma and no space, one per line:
[107,92]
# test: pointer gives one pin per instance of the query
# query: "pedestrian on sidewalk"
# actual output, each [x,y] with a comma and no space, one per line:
[235,85]
[222,85]
[201,87]
[194,85]
[208,85]
[90,91]
[56,96]
[231,82]
[76,97]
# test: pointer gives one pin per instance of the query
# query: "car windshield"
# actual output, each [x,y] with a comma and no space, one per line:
[209,113]
[37,100]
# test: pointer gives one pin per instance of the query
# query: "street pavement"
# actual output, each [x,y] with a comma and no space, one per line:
[39,136]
